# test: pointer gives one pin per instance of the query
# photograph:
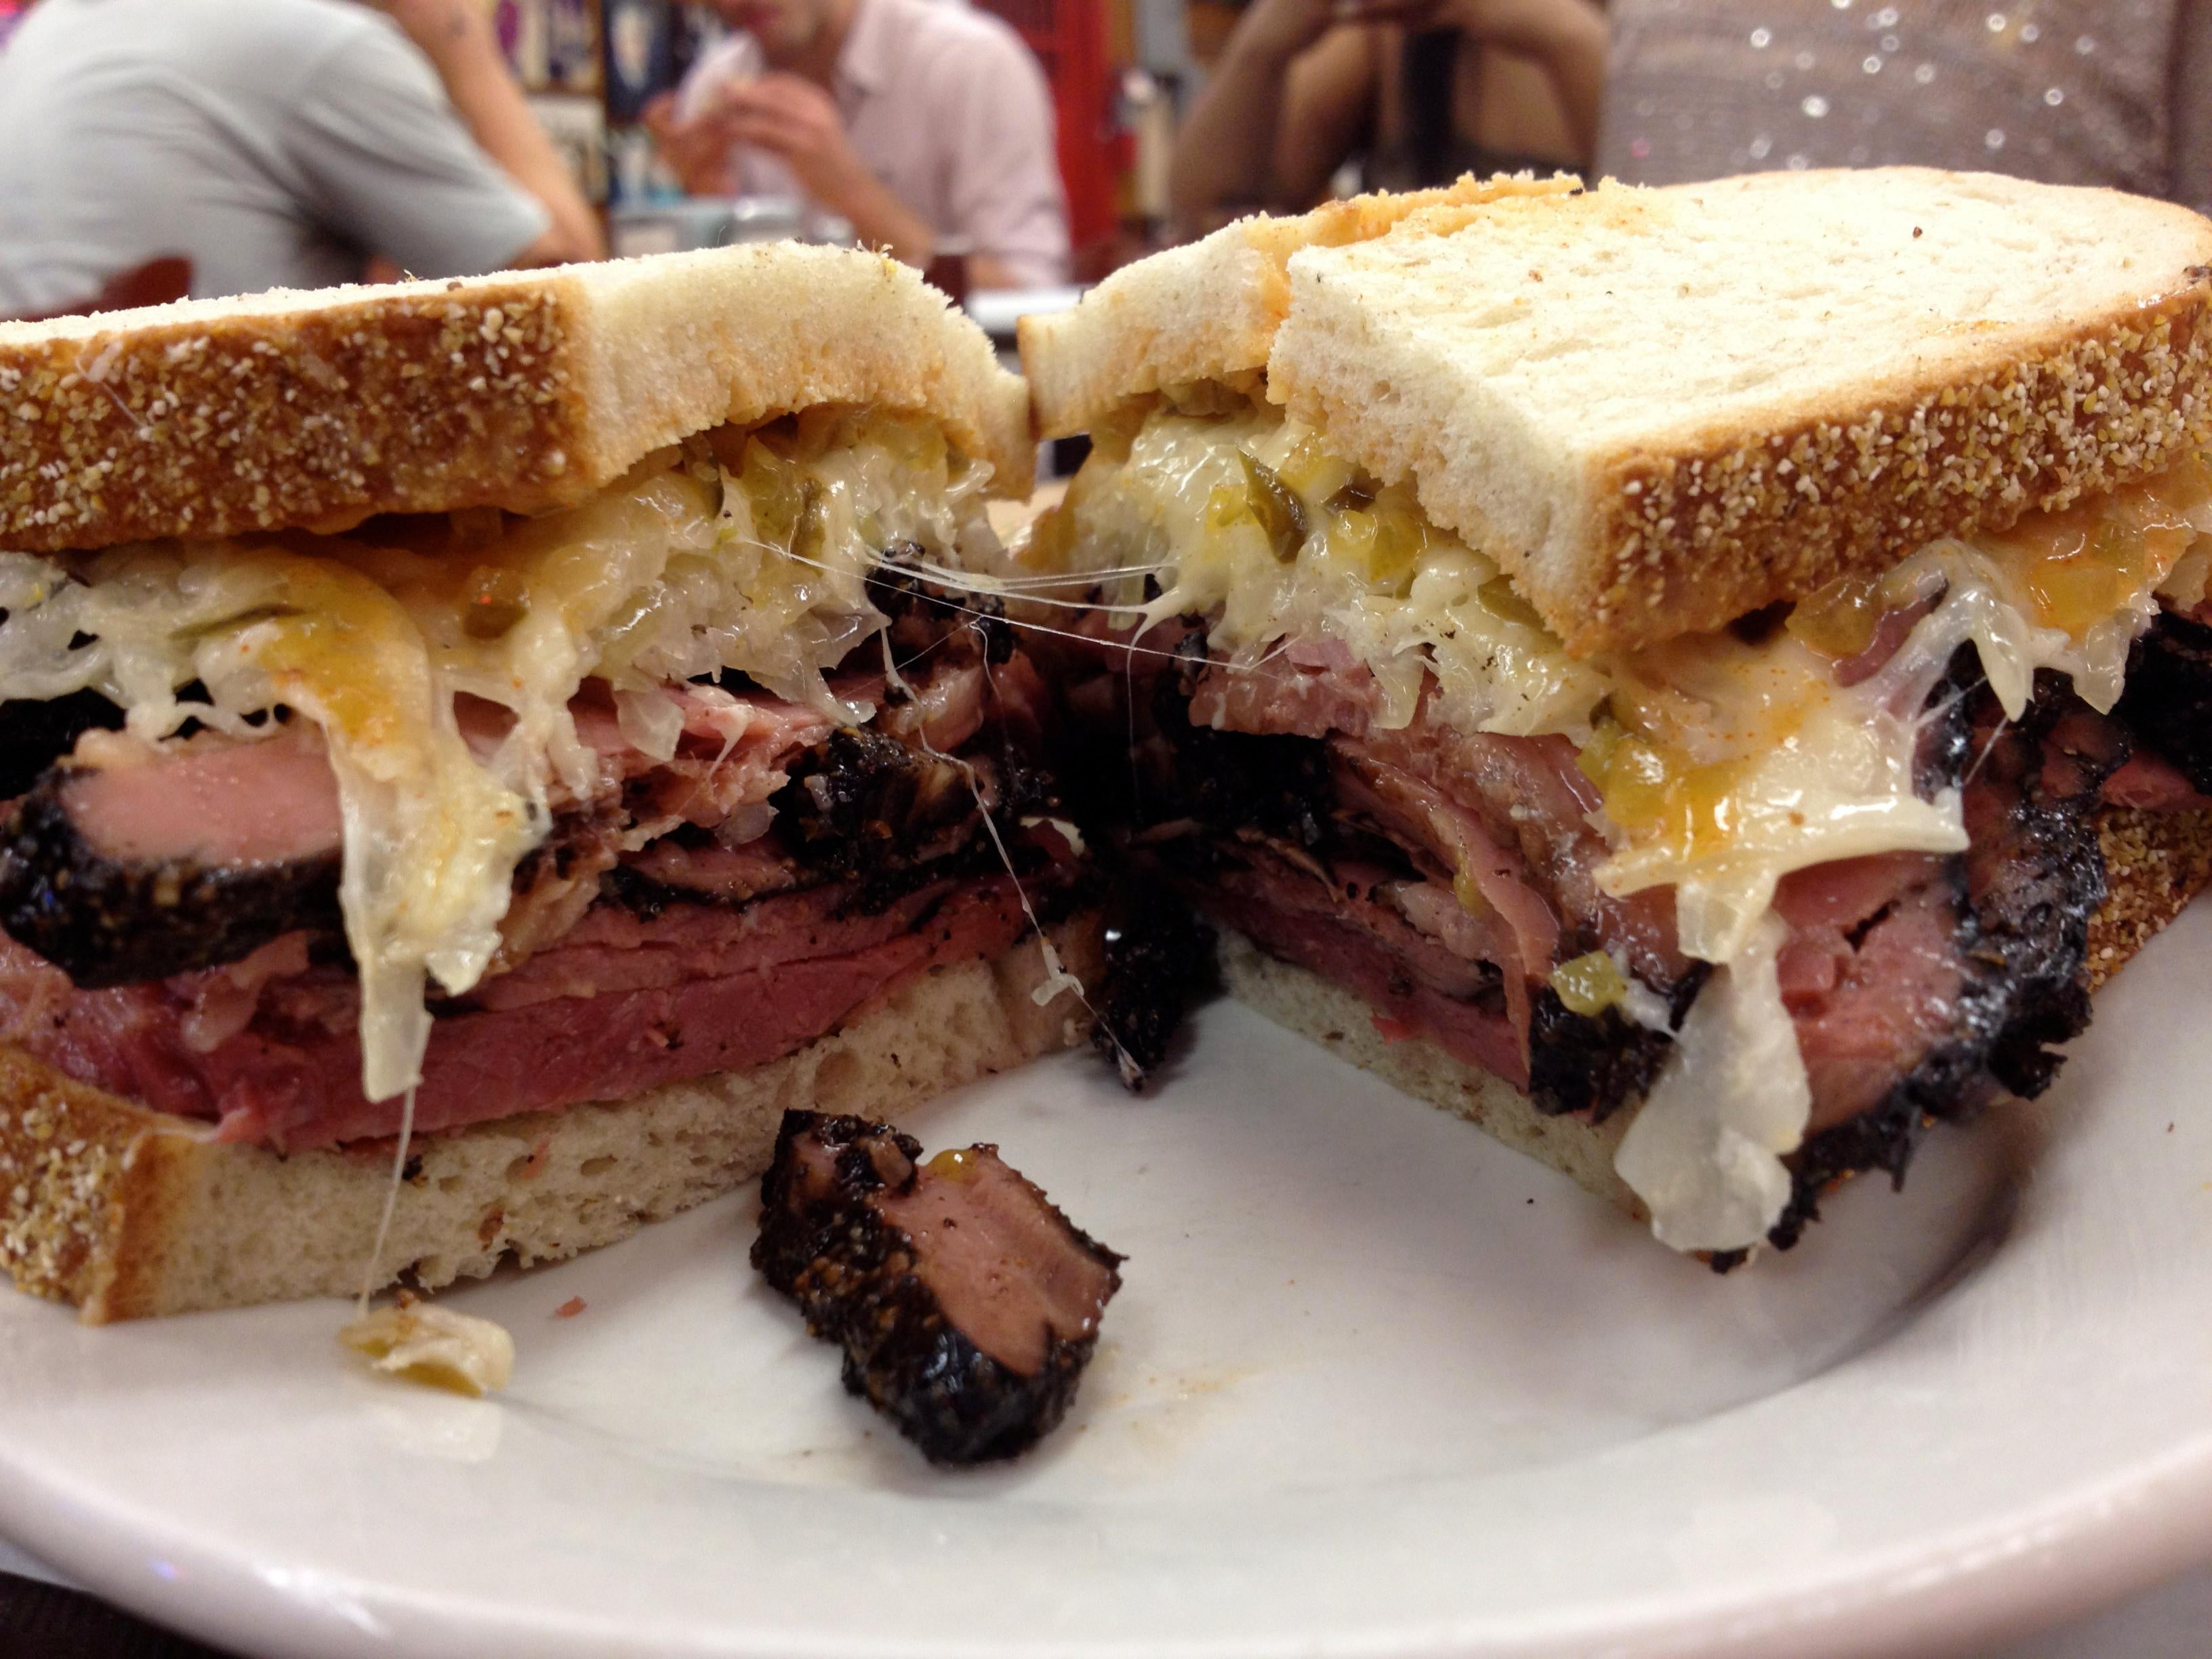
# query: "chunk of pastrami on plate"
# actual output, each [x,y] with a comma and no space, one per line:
[966,1304]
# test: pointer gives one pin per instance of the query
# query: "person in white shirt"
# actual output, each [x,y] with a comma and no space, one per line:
[273,143]
[927,126]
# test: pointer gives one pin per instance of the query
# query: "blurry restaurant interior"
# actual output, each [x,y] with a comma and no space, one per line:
[1019,148]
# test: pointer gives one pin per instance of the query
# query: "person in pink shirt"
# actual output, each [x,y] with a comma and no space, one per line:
[926,125]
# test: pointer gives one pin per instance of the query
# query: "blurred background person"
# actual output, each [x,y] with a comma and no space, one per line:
[925,125]
[270,144]
[2115,93]
[1415,92]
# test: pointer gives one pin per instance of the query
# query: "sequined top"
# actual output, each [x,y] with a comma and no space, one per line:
[2091,92]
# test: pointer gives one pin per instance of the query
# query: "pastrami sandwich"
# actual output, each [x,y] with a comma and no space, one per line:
[1650,670]
[499,720]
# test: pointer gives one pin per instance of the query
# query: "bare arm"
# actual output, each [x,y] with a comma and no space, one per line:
[456,36]
[1567,38]
[1327,108]
[1225,155]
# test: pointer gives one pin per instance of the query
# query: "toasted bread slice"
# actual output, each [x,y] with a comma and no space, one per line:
[1208,310]
[524,391]
[1882,358]
[2155,864]
[128,1212]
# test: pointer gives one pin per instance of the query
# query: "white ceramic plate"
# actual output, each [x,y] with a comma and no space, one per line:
[1375,1386]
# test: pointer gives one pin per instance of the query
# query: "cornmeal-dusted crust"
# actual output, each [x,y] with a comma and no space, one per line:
[128,1212]
[2156,863]
[524,391]
[1208,310]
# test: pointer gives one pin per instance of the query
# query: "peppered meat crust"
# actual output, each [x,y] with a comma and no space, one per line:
[2023,896]
[921,612]
[1236,780]
[1582,1063]
[1283,786]
[34,735]
[824,1245]
[2168,700]
[860,806]
[108,921]
[1159,959]
[2027,889]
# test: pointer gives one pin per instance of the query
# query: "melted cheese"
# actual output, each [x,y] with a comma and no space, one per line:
[1722,765]
[1704,1154]
[746,551]
[1409,601]
[421,1342]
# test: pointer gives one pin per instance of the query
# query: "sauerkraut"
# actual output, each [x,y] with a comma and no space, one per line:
[745,550]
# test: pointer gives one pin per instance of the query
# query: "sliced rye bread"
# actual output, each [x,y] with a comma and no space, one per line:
[128,1212]
[1208,310]
[1881,358]
[524,391]
[2155,864]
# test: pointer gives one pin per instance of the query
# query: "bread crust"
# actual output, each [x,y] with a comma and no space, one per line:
[127,1213]
[525,390]
[1692,539]
[2155,864]
[1673,522]
[1210,310]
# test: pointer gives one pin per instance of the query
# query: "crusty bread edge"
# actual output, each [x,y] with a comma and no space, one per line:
[130,1213]
[526,391]
[1208,310]
[2155,864]
[1773,502]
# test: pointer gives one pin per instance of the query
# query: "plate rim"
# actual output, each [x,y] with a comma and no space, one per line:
[2089,1547]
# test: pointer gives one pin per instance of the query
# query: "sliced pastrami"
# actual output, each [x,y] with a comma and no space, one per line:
[1411,982]
[134,861]
[1440,872]
[1974,967]
[621,1004]
[1920,986]
[2149,782]
[161,861]
[1310,689]
[966,1305]
[34,735]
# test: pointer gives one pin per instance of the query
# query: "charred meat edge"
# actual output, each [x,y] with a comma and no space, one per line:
[111,922]
[2023,910]
[852,1274]
[2026,897]
[2167,702]
[858,807]
[1232,781]
[1159,960]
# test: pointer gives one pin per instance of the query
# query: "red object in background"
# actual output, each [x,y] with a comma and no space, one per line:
[1069,38]
[156,282]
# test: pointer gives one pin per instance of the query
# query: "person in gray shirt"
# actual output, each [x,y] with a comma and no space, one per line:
[273,143]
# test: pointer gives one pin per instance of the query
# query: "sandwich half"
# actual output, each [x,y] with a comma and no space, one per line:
[1701,682]
[489,747]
